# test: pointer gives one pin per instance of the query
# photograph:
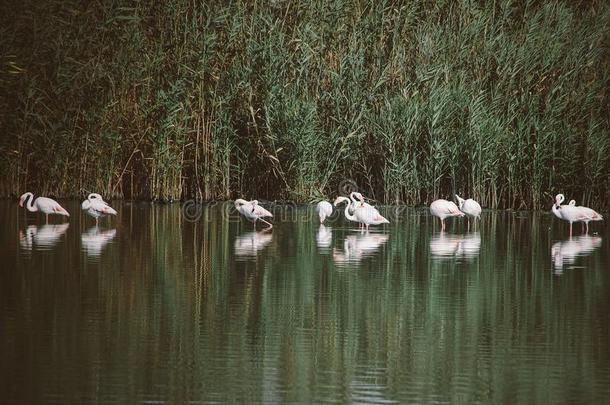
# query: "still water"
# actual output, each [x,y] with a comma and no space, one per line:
[153,307]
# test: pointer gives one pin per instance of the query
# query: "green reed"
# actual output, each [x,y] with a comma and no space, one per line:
[505,101]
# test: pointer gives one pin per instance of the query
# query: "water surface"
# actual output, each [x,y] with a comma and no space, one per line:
[152,307]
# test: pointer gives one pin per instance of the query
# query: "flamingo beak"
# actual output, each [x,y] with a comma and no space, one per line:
[21,203]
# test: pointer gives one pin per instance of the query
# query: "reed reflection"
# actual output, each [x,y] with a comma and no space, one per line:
[250,244]
[44,237]
[564,253]
[359,246]
[452,246]
[93,240]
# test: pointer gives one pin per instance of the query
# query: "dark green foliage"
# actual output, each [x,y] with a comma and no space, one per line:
[506,102]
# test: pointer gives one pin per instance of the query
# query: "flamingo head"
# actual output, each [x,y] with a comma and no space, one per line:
[460,201]
[340,200]
[94,196]
[24,197]
[559,198]
[572,203]
[357,197]
[239,202]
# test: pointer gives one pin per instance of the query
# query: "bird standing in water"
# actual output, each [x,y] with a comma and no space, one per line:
[324,210]
[96,207]
[469,207]
[443,209]
[45,205]
[253,211]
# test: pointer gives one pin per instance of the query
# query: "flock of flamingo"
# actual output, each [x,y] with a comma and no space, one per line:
[356,210]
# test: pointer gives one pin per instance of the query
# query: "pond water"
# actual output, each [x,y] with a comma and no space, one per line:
[165,305]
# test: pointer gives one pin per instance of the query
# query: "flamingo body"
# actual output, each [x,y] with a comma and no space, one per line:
[96,207]
[444,209]
[324,210]
[361,212]
[252,211]
[573,213]
[470,207]
[47,206]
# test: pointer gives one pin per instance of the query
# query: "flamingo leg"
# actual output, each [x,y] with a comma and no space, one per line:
[570,229]
[442,224]
[587,229]
[254,223]
[47,215]
[268,223]
[469,224]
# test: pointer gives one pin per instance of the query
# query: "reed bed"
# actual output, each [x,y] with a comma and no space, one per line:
[506,102]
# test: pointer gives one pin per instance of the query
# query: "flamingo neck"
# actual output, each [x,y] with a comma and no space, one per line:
[29,203]
[354,202]
[556,211]
[348,215]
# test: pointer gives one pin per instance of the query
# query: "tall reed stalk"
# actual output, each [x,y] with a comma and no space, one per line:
[506,102]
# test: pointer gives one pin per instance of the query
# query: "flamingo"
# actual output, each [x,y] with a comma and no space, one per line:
[443,209]
[572,213]
[469,207]
[324,210]
[96,207]
[355,200]
[348,208]
[252,211]
[589,215]
[363,213]
[43,204]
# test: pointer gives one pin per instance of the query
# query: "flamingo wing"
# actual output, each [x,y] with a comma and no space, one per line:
[260,211]
[102,207]
[451,208]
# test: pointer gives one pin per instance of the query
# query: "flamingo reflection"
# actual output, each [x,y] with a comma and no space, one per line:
[43,237]
[93,240]
[249,244]
[358,247]
[324,237]
[565,252]
[444,246]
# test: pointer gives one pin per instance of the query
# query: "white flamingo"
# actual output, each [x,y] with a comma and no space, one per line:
[353,200]
[572,213]
[253,211]
[43,204]
[362,212]
[469,207]
[443,209]
[324,210]
[589,215]
[96,207]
